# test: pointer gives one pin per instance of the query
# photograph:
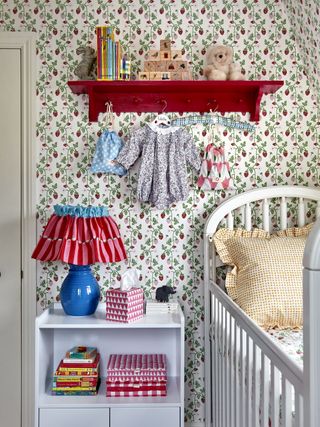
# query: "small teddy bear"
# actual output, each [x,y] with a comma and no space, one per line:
[86,69]
[220,65]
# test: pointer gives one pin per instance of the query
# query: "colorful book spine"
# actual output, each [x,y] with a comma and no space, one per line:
[109,60]
[74,384]
[54,388]
[78,361]
[76,373]
[101,52]
[73,393]
[98,34]
[105,36]
[116,61]
[119,61]
[79,378]
[112,60]
[114,74]
[80,364]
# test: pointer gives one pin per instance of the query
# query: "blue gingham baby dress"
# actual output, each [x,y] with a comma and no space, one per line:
[108,147]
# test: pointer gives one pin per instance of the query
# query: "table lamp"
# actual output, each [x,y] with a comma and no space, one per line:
[80,236]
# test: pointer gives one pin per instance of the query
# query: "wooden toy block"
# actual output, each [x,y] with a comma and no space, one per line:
[165,44]
[165,55]
[176,75]
[181,65]
[172,66]
[150,66]
[186,75]
[165,76]
[176,55]
[161,65]
[144,75]
[155,75]
[153,55]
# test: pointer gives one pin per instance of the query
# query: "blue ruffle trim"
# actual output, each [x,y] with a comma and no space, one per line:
[81,211]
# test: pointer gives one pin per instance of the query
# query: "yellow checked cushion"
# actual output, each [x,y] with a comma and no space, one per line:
[266,281]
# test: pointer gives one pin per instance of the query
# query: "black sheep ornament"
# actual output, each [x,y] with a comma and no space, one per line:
[162,293]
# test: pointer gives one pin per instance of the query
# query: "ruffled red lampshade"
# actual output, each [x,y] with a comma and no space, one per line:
[81,236]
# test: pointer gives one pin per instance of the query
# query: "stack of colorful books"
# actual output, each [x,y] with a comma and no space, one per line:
[136,375]
[77,373]
[112,64]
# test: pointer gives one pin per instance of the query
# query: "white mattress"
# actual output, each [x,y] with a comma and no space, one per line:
[291,341]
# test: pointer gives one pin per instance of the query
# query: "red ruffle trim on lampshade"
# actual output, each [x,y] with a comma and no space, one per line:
[80,241]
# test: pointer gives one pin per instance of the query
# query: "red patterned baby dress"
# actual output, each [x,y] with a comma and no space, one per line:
[214,172]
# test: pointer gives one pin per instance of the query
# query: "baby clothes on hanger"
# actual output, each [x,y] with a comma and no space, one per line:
[214,172]
[108,147]
[165,153]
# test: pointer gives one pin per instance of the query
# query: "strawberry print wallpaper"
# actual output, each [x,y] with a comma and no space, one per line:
[305,18]
[167,245]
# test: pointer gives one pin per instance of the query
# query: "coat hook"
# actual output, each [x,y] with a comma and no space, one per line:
[212,101]
[213,111]
[165,104]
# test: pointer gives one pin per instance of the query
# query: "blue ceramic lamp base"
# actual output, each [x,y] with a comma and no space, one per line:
[80,292]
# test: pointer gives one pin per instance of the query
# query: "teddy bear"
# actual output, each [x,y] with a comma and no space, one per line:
[220,65]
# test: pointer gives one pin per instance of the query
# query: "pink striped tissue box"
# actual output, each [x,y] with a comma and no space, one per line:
[124,306]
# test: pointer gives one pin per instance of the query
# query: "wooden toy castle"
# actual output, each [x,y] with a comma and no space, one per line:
[165,64]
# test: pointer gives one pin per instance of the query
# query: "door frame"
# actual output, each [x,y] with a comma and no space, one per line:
[26,43]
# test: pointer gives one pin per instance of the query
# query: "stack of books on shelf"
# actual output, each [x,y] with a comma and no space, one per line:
[136,375]
[156,307]
[77,373]
[112,63]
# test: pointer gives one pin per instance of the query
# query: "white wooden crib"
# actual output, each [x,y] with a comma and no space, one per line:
[249,380]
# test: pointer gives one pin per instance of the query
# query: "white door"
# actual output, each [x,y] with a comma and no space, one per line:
[10,237]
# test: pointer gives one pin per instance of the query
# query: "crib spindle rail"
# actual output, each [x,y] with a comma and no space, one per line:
[266,385]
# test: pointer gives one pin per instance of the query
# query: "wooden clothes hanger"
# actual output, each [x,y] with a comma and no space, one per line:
[162,120]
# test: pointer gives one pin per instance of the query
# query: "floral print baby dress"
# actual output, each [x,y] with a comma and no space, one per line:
[165,154]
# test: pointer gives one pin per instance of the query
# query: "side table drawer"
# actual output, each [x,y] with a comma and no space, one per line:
[145,417]
[61,417]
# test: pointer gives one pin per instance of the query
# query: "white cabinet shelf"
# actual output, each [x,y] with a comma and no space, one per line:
[55,318]
[56,333]
[46,400]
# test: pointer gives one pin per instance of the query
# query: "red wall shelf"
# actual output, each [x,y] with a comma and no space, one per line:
[175,96]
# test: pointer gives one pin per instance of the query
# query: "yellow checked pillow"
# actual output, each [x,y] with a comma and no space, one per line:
[266,280]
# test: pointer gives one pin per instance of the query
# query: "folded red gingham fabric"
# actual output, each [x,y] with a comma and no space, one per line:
[136,387]
[135,393]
